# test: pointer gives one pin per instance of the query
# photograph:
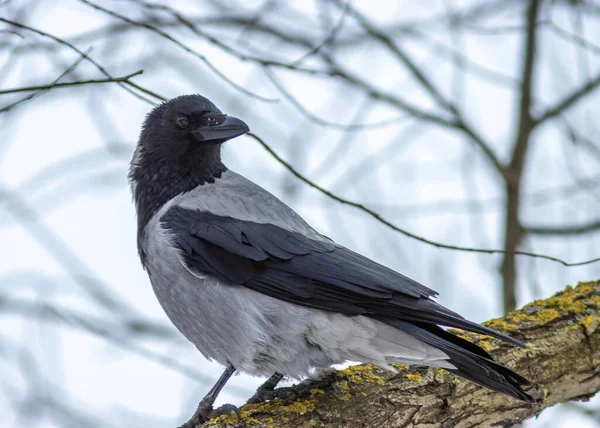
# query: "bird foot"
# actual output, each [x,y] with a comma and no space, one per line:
[262,395]
[204,413]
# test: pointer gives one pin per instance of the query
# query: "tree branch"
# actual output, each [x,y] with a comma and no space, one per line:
[29,97]
[579,229]
[400,55]
[570,100]
[353,126]
[186,48]
[392,226]
[561,360]
[89,59]
[53,85]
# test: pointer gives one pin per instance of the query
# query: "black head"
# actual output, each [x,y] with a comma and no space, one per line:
[187,123]
[179,148]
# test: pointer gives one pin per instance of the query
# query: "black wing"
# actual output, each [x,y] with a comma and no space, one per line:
[294,268]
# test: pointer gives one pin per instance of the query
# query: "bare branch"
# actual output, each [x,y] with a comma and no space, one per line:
[182,46]
[31,96]
[92,61]
[459,122]
[578,40]
[570,100]
[124,79]
[399,54]
[392,226]
[525,120]
[330,37]
[319,121]
[570,230]
[189,24]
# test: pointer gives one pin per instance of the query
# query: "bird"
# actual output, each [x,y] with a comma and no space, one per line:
[255,288]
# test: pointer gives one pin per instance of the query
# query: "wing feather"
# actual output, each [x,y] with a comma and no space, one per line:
[293,267]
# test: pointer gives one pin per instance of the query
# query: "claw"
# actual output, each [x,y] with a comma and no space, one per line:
[205,413]
[226,409]
[284,393]
[205,410]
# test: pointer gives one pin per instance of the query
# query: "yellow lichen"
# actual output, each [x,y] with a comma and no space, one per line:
[344,391]
[365,373]
[547,315]
[482,341]
[316,391]
[570,301]
[300,407]
[416,377]
[272,407]
[589,323]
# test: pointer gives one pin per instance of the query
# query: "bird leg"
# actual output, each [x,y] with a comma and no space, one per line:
[205,411]
[267,391]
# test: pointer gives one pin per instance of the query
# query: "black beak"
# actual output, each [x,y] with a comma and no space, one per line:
[230,128]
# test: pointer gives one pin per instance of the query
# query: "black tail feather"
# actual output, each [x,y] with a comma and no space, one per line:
[471,362]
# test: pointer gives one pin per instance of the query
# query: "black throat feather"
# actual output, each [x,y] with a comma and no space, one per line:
[159,177]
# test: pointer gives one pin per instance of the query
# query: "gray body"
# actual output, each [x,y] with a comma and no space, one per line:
[256,333]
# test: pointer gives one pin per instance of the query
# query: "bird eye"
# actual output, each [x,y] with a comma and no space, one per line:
[182,121]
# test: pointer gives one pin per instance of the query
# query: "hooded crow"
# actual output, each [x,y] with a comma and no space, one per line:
[255,288]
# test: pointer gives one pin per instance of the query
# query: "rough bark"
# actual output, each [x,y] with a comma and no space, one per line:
[561,360]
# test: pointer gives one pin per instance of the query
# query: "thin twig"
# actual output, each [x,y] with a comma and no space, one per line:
[392,226]
[319,121]
[124,79]
[402,56]
[88,58]
[330,37]
[57,80]
[225,47]
[569,100]
[570,230]
[182,46]
[574,38]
